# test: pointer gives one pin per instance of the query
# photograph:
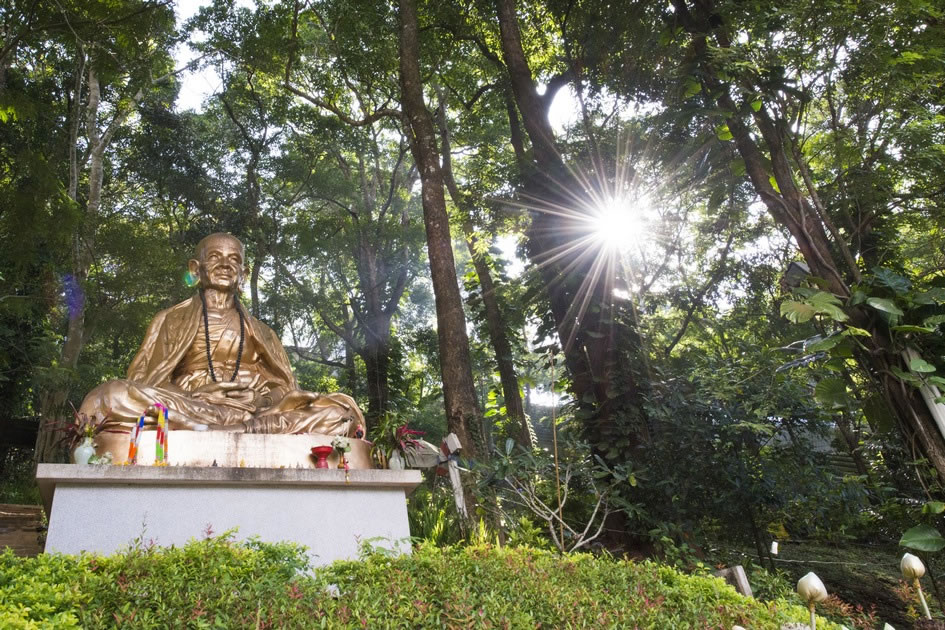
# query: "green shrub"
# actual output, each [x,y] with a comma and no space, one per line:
[216,583]
[18,477]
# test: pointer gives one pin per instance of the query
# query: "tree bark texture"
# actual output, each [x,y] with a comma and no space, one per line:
[463,415]
[377,372]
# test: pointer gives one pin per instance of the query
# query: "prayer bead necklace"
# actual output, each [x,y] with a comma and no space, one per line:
[206,336]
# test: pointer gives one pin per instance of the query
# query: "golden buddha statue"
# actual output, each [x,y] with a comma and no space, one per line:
[214,366]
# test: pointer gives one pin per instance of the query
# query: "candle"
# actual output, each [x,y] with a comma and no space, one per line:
[167,428]
[138,433]
[159,439]
[132,434]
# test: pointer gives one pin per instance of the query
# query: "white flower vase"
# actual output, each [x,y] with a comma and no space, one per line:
[396,461]
[83,452]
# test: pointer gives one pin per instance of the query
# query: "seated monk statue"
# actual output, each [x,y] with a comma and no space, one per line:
[214,366]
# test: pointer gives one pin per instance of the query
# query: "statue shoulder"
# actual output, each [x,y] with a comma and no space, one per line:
[173,313]
[262,328]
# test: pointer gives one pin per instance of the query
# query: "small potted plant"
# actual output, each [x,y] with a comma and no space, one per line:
[392,443]
[78,435]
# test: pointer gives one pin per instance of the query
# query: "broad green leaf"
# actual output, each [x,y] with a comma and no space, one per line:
[921,365]
[756,105]
[797,312]
[899,284]
[882,304]
[723,133]
[835,312]
[923,538]
[691,87]
[831,392]
[933,507]
[822,298]
[827,303]
[824,344]
[859,332]
[912,329]
[774,184]
[905,376]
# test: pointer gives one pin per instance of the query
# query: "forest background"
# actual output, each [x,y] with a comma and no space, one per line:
[721,278]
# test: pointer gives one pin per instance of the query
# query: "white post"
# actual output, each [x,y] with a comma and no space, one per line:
[930,393]
[450,446]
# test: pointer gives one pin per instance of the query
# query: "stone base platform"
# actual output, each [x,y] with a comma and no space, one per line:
[104,508]
[253,450]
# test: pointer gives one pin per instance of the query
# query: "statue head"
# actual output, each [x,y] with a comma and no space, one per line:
[218,262]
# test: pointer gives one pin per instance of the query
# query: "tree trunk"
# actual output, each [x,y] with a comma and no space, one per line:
[579,282]
[495,320]
[462,409]
[377,372]
[53,400]
[351,370]
[254,282]
[253,194]
[501,346]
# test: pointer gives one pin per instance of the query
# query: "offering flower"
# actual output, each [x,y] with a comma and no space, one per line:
[392,441]
[80,428]
[403,438]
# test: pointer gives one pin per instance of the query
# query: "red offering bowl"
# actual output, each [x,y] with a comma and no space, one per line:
[321,454]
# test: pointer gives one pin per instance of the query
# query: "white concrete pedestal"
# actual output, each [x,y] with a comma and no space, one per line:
[104,508]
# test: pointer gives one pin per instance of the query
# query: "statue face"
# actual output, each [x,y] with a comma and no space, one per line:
[220,265]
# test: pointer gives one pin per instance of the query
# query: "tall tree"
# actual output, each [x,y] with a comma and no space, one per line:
[578,277]
[347,242]
[462,409]
[361,208]
[496,322]
[774,106]
[119,61]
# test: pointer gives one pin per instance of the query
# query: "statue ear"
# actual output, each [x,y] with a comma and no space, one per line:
[193,268]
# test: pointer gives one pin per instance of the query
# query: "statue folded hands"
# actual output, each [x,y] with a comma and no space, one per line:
[216,367]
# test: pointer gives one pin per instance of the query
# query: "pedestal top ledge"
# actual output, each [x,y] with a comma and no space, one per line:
[48,476]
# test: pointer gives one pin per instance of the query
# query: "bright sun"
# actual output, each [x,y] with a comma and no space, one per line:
[619,223]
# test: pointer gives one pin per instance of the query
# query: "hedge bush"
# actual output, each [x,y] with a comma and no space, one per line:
[218,583]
